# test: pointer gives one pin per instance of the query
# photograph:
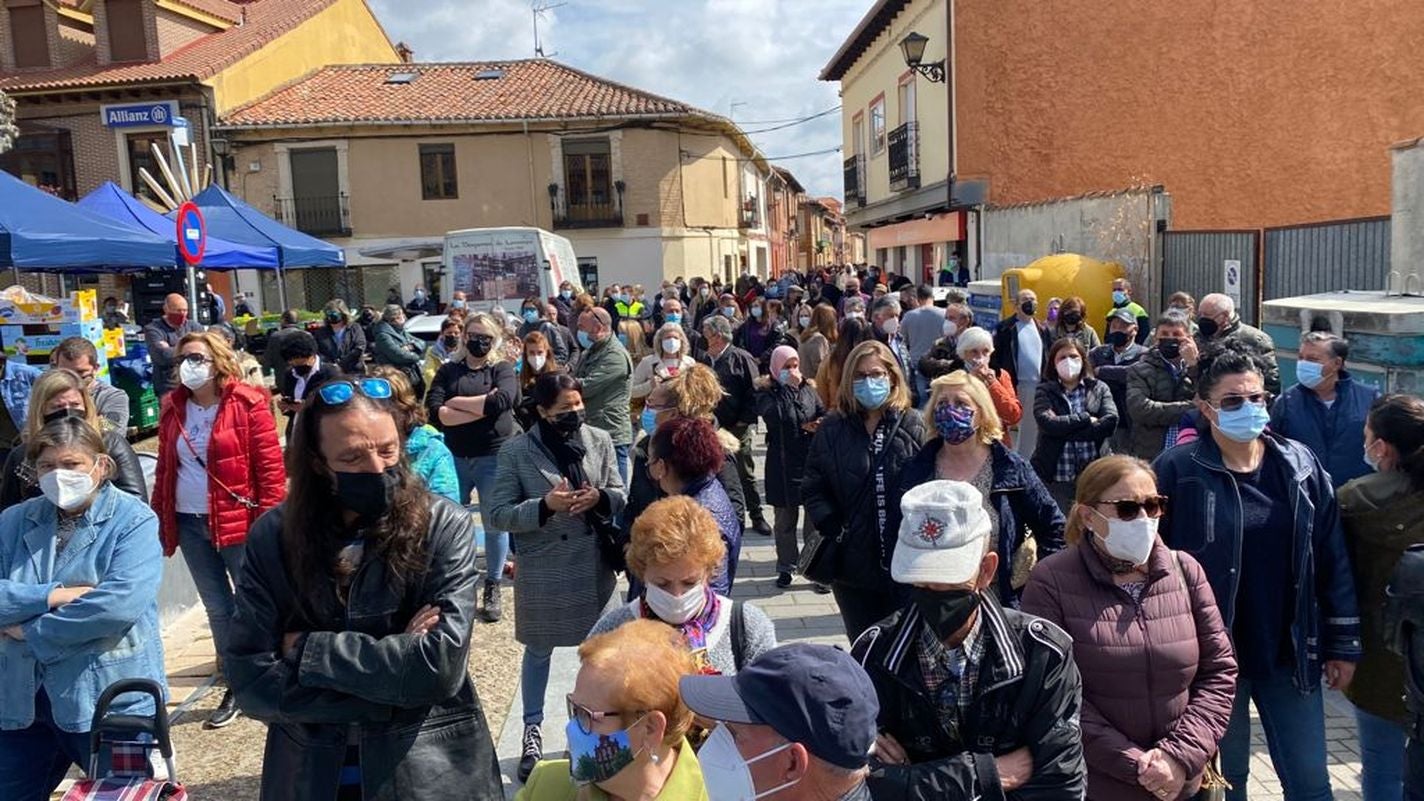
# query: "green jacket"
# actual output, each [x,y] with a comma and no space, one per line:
[1156,400]
[1251,340]
[607,375]
[396,346]
[550,782]
[1382,514]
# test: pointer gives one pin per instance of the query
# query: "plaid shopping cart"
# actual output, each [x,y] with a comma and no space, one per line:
[127,741]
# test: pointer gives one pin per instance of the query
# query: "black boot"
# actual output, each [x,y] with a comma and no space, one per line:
[532,751]
[225,714]
[493,607]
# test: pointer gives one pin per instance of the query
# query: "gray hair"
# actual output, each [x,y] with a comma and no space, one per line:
[960,310]
[1338,346]
[886,302]
[855,303]
[717,326]
[391,312]
[973,338]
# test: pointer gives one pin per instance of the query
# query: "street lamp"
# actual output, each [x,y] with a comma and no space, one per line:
[913,48]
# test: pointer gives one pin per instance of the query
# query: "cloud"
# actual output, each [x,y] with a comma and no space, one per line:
[752,60]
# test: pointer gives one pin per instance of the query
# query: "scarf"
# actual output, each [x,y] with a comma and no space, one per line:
[568,453]
[696,629]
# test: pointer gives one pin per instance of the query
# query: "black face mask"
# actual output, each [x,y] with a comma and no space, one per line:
[1207,326]
[1171,349]
[1072,319]
[335,318]
[1028,307]
[64,414]
[1117,339]
[450,342]
[369,495]
[302,370]
[479,347]
[945,611]
[567,424]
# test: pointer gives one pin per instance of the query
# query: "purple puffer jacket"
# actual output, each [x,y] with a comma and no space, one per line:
[1161,674]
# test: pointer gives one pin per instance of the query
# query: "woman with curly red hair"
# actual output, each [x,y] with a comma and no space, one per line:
[683,458]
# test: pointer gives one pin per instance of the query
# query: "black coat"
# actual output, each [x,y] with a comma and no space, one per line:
[786,411]
[412,697]
[1057,425]
[836,491]
[1006,348]
[348,353]
[17,484]
[1029,694]
[737,371]
[942,359]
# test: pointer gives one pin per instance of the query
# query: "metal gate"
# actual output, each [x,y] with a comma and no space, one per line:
[1203,262]
[1327,257]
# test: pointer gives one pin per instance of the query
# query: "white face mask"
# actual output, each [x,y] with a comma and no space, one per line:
[726,775]
[675,609]
[537,361]
[194,375]
[672,345]
[805,322]
[1068,369]
[891,326]
[950,328]
[67,489]
[1130,540]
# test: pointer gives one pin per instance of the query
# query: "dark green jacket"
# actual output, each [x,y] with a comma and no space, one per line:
[1156,400]
[607,375]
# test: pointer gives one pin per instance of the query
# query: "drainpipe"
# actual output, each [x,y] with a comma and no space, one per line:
[951,56]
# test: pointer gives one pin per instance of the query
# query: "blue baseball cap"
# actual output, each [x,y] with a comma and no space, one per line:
[811,694]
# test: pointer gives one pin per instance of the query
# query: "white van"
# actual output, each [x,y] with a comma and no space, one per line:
[503,266]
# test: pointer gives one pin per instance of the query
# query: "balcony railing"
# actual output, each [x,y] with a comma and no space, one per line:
[319,216]
[904,147]
[589,215]
[750,215]
[855,180]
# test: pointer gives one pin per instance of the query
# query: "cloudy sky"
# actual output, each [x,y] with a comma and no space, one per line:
[761,55]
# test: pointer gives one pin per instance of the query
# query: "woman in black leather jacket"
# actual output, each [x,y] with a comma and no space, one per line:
[352,630]
[61,393]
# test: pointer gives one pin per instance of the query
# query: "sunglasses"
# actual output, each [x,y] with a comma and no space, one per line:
[1230,403]
[1129,509]
[585,717]
[336,393]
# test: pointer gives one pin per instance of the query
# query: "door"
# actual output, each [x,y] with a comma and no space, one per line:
[316,191]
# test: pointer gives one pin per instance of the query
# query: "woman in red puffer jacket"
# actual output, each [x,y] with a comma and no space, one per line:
[219,468]
[1159,674]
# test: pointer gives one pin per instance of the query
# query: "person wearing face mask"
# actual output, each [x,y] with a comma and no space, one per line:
[675,550]
[420,302]
[1161,388]
[1259,514]
[559,488]
[1021,346]
[968,446]
[704,302]
[1218,323]
[942,357]
[1326,411]
[339,340]
[1111,362]
[1122,299]
[304,369]
[219,468]
[976,700]
[1075,415]
[671,355]
[850,293]
[605,371]
[161,338]
[564,303]
[922,326]
[472,400]
[79,608]
[1383,515]
[537,361]
[818,336]
[737,372]
[772,739]
[531,319]
[358,705]
[684,458]
[787,404]
[398,347]
[1136,608]
[852,472]
[627,729]
[758,334]
[885,322]
[1071,323]
[113,316]
[855,308]
[79,355]
[673,311]
[444,349]
[58,394]
[613,304]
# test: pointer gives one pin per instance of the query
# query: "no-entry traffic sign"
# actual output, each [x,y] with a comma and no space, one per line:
[192,233]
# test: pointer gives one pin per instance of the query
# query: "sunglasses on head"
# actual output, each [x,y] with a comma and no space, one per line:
[1129,509]
[1230,403]
[336,393]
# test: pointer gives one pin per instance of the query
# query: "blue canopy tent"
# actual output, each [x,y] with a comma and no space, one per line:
[231,219]
[43,233]
[112,201]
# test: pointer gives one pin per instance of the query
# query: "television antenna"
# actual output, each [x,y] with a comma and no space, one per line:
[538,9]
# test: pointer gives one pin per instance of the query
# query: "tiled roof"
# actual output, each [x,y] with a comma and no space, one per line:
[222,9]
[875,21]
[535,89]
[199,59]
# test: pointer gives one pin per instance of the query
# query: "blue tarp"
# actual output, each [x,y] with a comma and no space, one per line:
[112,201]
[41,232]
[231,219]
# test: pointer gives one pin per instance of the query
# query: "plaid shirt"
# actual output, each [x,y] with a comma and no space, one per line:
[951,674]
[1077,453]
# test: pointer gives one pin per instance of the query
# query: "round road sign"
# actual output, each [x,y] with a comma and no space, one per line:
[192,233]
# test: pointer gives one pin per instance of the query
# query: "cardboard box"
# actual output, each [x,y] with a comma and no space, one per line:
[39,339]
[81,307]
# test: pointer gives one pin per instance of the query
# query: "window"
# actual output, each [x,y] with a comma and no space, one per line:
[141,158]
[127,29]
[857,135]
[588,179]
[877,125]
[437,172]
[27,31]
[907,99]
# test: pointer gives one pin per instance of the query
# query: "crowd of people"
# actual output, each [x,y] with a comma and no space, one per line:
[1069,554]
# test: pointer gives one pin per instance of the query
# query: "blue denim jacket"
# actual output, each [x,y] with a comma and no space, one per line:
[15,382]
[76,651]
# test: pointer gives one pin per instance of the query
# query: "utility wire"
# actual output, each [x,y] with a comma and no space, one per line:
[775,122]
[687,158]
[794,123]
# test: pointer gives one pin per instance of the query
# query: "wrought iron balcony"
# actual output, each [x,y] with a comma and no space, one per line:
[319,216]
[589,215]
[904,146]
[750,214]
[855,180]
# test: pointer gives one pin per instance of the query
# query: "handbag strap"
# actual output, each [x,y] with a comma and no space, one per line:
[241,500]
[876,465]
[738,635]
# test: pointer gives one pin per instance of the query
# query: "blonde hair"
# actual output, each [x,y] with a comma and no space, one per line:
[696,391]
[637,348]
[1095,479]
[47,387]
[225,366]
[673,330]
[671,529]
[487,320]
[646,659]
[899,399]
[987,424]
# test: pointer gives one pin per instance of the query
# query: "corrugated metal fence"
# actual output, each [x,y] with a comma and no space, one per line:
[1327,257]
[1198,262]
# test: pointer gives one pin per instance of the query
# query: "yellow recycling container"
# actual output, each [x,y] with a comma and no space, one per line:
[1064,275]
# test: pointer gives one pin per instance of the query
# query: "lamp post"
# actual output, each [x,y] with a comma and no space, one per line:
[913,48]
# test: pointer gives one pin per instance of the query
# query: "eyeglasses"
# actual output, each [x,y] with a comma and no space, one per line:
[1230,403]
[197,358]
[881,373]
[585,717]
[337,393]
[1129,509]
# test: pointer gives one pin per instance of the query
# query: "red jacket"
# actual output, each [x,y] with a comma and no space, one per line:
[243,455]
[1159,674]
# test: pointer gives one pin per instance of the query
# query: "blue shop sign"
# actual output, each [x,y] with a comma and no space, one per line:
[134,115]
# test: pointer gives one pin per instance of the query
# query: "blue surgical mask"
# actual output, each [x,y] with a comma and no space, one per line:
[623,338]
[784,376]
[673,318]
[457,304]
[1119,297]
[585,340]
[566,294]
[871,392]
[1244,424]
[756,312]
[729,312]
[649,420]
[530,315]
[1372,461]
[1310,373]
[595,758]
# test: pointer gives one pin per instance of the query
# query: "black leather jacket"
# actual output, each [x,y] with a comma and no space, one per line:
[18,483]
[406,699]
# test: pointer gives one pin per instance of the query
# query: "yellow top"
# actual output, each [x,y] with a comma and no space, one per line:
[550,781]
